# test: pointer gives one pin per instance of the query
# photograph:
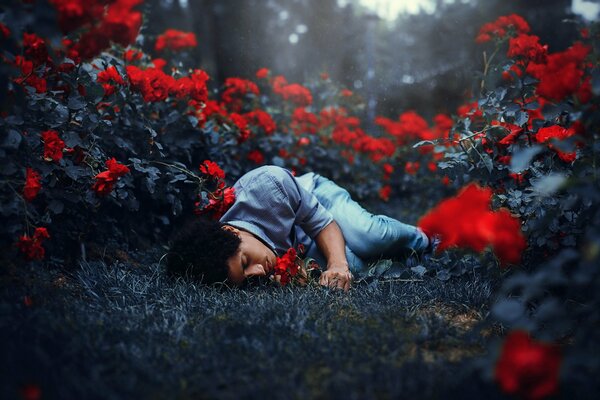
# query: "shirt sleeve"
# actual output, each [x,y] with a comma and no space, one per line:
[278,194]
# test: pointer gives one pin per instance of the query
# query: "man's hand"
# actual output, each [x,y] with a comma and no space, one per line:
[337,276]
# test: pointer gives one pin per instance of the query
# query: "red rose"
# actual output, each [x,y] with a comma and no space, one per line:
[528,368]
[286,267]
[106,180]
[31,247]
[212,169]
[262,73]
[53,145]
[467,221]
[527,48]
[262,120]
[175,40]
[500,27]
[385,192]
[256,157]
[32,184]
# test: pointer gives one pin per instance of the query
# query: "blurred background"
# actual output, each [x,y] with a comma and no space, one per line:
[397,54]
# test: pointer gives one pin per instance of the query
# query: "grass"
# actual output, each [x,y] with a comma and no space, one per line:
[125,330]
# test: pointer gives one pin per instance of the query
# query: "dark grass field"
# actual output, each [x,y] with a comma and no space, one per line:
[122,329]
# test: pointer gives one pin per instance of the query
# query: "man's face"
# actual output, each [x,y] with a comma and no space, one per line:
[253,258]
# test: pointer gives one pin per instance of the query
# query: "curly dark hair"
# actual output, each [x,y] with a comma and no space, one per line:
[200,249]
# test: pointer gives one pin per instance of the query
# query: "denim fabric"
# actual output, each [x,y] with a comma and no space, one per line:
[368,237]
[271,204]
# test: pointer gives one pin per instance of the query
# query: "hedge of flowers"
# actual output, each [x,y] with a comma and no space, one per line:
[103,140]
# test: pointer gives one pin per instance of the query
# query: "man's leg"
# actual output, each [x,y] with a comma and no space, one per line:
[369,236]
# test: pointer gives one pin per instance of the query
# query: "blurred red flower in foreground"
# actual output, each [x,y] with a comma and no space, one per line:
[32,184]
[106,180]
[31,247]
[286,267]
[175,40]
[467,221]
[528,368]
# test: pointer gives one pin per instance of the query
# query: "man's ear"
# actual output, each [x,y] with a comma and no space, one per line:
[231,229]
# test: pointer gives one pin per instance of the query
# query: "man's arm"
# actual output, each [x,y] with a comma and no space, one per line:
[331,243]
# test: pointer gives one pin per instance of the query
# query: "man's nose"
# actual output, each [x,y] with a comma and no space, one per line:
[255,270]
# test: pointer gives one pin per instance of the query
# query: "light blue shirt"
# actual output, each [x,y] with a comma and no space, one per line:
[277,208]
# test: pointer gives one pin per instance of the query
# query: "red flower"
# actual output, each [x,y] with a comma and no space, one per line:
[412,168]
[563,73]
[470,110]
[175,40]
[385,192]
[304,121]
[388,170]
[262,73]
[35,48]
[376,148]
[31,392]
[31,247]
[528,368]
[410,126]
[132,55]
[121,24]
[53,146]
[28,75]
[286,267]
[212,169]
[261,119]
[500,27]
[110,75]
[240,122]
[294,93]
[235,91]
[557,132]
[346,93]
[219,202]
[4,31]
[32,184]
[193,86]
[527,48]
[256,157]
[152,83]
[106,180]
[303,141]
[466,221]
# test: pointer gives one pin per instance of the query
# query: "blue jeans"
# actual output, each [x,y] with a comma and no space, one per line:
[368,237]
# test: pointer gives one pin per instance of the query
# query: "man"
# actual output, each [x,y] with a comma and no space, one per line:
[274,211]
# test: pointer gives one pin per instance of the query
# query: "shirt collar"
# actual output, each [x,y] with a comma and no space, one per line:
[256,231]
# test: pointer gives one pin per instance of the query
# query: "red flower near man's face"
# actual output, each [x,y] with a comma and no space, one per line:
[528,368]
[53,145]
[467,221]
[286,267]
[106,180]
[32,184]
